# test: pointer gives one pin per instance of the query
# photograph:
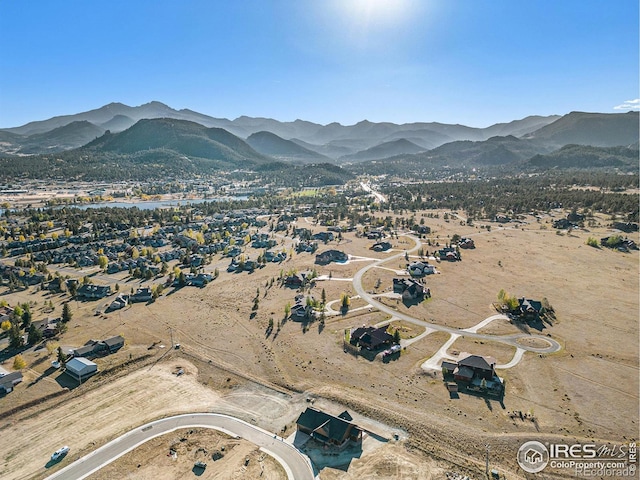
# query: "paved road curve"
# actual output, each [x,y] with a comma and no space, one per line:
[508,339]
[295,463]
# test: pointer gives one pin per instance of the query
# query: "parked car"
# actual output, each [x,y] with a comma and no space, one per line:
[58,454]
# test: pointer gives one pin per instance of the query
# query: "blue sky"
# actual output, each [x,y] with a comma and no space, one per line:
[474,62]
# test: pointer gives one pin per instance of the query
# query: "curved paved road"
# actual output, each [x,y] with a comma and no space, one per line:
[508,339]
[295,463]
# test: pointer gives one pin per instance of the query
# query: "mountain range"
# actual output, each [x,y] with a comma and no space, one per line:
[156,133]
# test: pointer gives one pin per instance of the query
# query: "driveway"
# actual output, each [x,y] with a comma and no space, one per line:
[469,332]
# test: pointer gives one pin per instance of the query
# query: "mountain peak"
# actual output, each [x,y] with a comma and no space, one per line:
[155,103]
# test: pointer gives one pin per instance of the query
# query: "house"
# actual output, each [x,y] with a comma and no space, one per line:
[474,373]
[449,254]
[480,366]
[112,344]
[323,236]
[530,308]
[89,349]
[575,217]
[9,381]
[421,229]
[6,313]
[306,246]
[202,279]
[562,224]
[328,429]
[303,233]
[466,243]
[93,291]
[410,289]
[618,242]
[381,246]
[81,368]
[299,311]
[375,235]
[270,256]
[119,302]
[331,256]
[49,328]
[303,307]
[420,269]
[627,227]
[371,338]
[501,218]
[56,285]
[143,294]
[296,280]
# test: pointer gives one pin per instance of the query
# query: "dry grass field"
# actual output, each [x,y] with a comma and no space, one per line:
[152,460]
[234,367]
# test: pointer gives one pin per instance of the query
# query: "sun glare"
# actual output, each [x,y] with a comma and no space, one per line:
[379,13]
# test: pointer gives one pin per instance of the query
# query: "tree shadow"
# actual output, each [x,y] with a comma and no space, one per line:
[10,352]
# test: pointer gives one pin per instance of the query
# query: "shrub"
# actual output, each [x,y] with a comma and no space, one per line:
[592,242]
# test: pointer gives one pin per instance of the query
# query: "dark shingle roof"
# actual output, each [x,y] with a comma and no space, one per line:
[477,362]
[319,422]
[117,340]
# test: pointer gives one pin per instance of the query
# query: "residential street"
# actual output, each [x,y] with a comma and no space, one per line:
[295,463]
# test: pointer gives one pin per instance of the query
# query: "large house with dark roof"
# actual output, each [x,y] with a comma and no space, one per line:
[328,429]
[470,366]
[331,256]
[371,338]
[529,308]
[475,373]
[409,288]
[93,291]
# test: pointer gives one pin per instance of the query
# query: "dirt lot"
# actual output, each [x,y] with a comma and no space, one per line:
[235,367]
[153,459]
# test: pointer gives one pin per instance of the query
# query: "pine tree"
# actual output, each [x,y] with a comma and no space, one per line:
[35,335]
[62,358]
[66,313]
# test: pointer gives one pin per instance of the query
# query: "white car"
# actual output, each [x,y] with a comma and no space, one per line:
[61,452]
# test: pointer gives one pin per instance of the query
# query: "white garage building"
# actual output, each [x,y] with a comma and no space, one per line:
[81,368]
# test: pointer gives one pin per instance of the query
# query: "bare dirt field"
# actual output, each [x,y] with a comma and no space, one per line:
[153,459]
[234,367]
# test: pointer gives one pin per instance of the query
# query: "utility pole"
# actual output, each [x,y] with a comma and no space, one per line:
[487,461]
